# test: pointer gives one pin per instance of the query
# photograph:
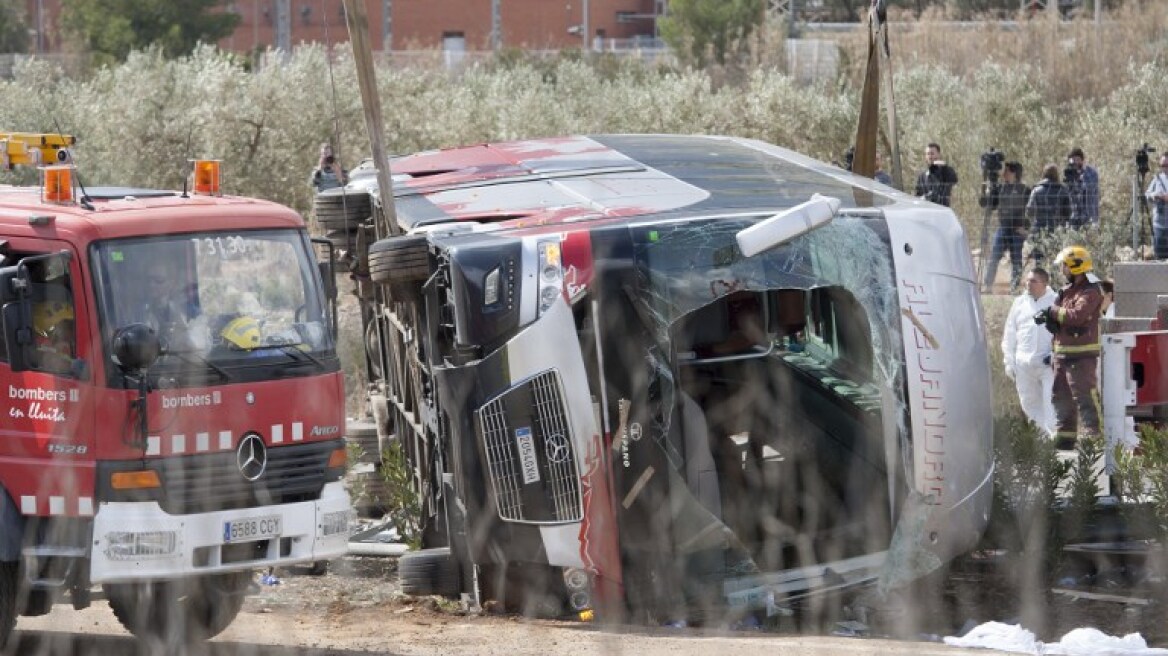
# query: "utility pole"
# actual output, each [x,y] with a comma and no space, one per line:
[284,25]
[584,31]
[496,25]
[358,24]
[387,25]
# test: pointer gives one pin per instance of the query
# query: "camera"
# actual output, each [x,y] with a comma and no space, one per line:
[1041,317]
[329,159]
[991,164]
[1142,158]
[1071,173]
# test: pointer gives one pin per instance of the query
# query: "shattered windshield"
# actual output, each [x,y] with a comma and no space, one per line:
[825,303]
[218,300]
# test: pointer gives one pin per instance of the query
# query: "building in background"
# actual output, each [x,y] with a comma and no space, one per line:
[452,25]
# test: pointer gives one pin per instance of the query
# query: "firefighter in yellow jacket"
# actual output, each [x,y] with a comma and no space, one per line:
[1074,322]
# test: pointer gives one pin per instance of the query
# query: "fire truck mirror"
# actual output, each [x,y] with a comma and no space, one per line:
[136,346]
[18,342]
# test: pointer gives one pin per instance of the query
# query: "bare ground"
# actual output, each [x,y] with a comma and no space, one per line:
[356,609]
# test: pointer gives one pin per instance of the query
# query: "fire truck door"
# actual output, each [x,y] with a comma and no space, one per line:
[47,432]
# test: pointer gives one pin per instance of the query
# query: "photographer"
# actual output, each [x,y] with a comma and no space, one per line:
[328,174]
[1083,183]
[936,182]
[1157,195]
[1049,207]
[1009,198]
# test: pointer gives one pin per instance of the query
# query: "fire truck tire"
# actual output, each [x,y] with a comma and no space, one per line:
[400,261]
[429,572]
[179,612]
[9,579]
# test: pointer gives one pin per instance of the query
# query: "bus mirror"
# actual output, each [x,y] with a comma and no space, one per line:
[787,225]
[136,347]
[328,277]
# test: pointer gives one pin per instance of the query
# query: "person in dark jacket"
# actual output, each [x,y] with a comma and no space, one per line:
[1074,322]
[1049,206]
[936,182]
[1010,199]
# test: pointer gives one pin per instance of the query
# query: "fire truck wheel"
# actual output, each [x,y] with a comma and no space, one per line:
[429,572]
[400,261]
[179,612]
[8,581]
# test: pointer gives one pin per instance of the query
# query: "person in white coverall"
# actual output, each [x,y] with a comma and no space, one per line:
[1026,348]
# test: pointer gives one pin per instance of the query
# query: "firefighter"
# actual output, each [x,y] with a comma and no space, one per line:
[1074,322]
[53,326]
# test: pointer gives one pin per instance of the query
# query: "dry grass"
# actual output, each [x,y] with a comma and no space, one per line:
[1079,60]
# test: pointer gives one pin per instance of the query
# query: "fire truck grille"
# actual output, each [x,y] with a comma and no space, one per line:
[210,482]
[530,453]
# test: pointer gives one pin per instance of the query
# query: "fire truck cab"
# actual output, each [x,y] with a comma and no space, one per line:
[174,401]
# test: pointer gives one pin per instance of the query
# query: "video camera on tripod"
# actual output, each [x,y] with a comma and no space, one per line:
[1142,158]
[991,165]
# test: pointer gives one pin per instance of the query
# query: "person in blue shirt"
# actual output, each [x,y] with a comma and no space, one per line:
[328,174]
[1083,182]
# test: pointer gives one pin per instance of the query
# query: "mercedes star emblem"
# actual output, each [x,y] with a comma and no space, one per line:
[557,448]
[251,457]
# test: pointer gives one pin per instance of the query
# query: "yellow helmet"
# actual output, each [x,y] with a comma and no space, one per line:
[47,315]
[1077,259]
[242,333]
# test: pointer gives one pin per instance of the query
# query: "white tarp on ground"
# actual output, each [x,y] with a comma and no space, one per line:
[1086,642]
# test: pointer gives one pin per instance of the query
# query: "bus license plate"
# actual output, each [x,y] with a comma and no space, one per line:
[249,530]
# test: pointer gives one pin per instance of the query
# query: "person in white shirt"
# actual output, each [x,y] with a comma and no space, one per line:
[1108,308]
[1026,349]
[1157,195]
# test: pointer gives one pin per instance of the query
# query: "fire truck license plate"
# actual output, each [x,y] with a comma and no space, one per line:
[255,528]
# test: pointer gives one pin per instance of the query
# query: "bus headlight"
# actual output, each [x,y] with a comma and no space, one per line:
[551,274]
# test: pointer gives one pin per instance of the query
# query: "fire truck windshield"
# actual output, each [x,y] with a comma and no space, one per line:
[228,306]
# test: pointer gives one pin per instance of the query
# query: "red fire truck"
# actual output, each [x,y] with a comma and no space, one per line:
[174,404]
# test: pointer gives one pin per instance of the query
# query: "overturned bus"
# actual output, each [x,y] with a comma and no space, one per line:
[607,385]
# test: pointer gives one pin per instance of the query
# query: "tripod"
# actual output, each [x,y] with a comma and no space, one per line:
[989,194]
[1140,215]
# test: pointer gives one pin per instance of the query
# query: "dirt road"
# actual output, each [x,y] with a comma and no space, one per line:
[356,609]
[410,631]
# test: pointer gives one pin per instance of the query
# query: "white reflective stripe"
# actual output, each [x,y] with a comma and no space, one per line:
[277,433]
[153,445]
[224,440]
[297,431]
[28,505]
[56,505]
[85,506]
[178,443]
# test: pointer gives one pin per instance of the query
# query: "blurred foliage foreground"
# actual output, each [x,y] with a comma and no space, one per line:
[1031,92]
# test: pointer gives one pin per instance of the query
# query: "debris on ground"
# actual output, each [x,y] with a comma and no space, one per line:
[1085,641]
